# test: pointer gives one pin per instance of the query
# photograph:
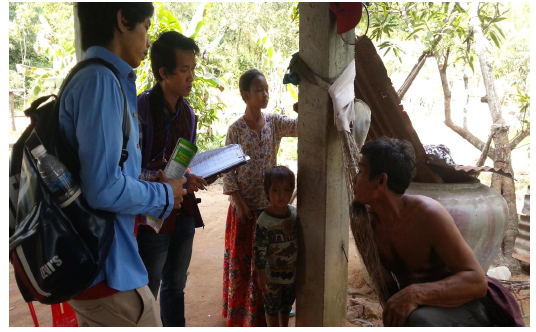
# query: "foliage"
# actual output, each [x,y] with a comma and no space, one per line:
[60,53]
[239,22]
[37,34]
[439,26]
[390,46]
[385,26]
[53,45]
[489,21]
[276,64]
[435,25]
[23,28]
[523,99]
[288,149]
[204,82]
[444,28]
[237,36]
[54,51]
[295,12]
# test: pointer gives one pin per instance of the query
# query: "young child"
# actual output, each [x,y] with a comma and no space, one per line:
[259,134]
[276,247]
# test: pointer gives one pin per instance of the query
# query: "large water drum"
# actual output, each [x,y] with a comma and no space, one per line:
[480,213]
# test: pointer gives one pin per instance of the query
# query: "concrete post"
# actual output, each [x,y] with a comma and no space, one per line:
[77,37]
[322,198]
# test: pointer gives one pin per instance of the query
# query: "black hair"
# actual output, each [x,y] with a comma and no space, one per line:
[98,20]
[278,174]
[394,157]
[244,84]
[163,51]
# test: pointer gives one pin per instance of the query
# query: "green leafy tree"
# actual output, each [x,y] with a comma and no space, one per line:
[239,22]
[29,28]
[42,49]
[60,54]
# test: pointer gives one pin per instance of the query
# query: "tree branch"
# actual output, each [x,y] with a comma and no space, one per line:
[495,17]
[519,138]
[493,131]
[485,65]
[469,137]
[464,133]
[408,22]
[390,10]
[420,63]
[485,151]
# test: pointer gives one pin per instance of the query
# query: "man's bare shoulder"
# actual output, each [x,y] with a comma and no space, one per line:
[429,209]
[422,200]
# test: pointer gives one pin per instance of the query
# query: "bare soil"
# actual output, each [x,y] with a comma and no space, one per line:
[204,285]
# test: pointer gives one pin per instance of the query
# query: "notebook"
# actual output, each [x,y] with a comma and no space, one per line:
[212,163]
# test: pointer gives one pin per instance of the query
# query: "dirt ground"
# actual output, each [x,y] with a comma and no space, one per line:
[203,288]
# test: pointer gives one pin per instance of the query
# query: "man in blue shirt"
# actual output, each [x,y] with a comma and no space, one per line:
[91,114]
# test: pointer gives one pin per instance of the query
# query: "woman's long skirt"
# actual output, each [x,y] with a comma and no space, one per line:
[242,298]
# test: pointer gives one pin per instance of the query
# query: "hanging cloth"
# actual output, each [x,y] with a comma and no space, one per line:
[351,115]
[342,95]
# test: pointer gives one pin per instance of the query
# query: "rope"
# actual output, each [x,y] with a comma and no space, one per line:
[303,70]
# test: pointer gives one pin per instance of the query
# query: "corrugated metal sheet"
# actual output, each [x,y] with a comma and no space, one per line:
[458,173]
[526,205]
[388,118]
[522,245]
[476,169]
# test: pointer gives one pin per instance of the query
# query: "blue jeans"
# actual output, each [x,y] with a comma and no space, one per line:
[167,257]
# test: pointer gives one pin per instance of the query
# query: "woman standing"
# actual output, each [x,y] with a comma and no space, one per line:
[259,134]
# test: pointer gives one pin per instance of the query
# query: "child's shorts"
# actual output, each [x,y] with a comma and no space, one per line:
[279,298]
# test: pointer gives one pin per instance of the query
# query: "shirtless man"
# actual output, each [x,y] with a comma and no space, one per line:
[432,275]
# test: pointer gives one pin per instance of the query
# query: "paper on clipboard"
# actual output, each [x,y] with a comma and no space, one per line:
[218,161]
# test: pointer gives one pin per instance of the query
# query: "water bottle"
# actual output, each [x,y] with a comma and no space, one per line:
[56,176]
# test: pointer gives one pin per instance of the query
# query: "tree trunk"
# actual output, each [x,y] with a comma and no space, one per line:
[504,186]
[482,160]
[466,90]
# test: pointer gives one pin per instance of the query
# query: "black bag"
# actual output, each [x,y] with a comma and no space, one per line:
[56,253]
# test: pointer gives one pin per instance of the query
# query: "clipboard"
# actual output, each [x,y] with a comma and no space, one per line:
[212,163]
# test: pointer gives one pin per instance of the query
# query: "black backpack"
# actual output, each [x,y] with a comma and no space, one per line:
[56,253]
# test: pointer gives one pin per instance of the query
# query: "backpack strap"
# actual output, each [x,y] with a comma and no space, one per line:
[30,111]
[126,121]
